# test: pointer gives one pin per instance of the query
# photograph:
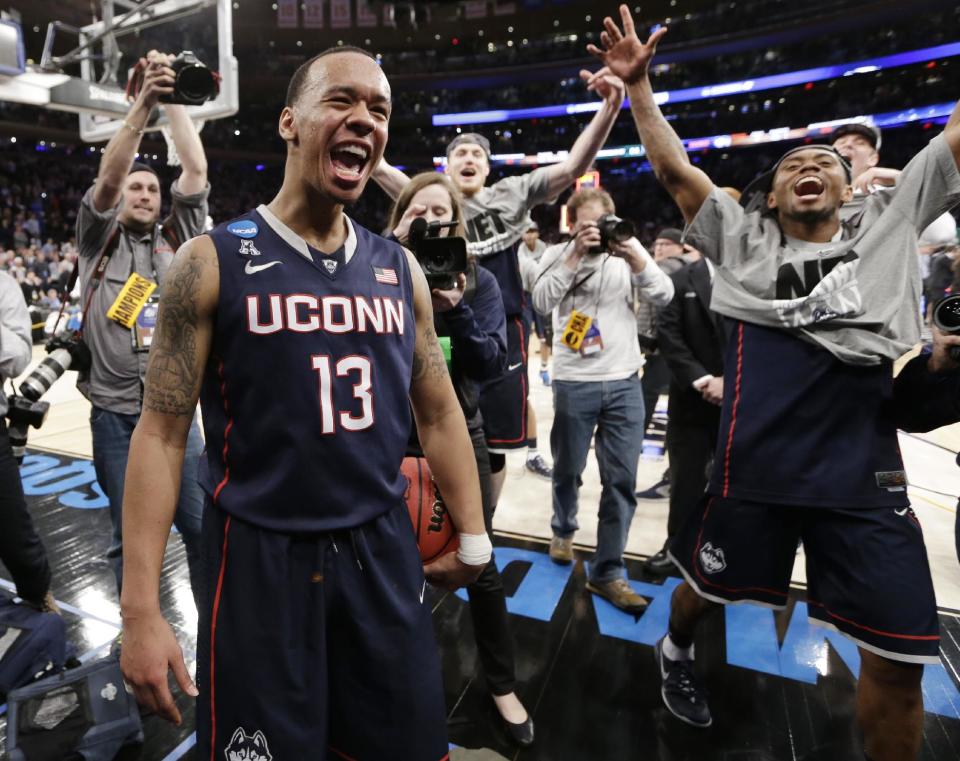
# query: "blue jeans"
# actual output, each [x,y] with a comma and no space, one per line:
[615,410]
[111,446]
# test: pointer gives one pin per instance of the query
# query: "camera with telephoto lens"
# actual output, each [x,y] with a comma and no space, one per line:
[441,259]
[195,84]
[63,352]
[946,316]
[612,230]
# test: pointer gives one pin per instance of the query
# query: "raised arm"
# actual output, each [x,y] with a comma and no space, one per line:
[158,79]
[952,132]
[563,175]
[391,179]
[626,57]
[444,439]
[174,372]
[193,160]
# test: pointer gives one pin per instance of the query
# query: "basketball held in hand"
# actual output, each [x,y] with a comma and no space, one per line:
[431,522]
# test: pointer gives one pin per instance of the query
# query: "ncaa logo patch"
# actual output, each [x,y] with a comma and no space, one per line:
[712,559]
[243,228]
[331,265]
[243,747]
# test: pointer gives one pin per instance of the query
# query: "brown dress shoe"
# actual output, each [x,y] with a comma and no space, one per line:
[561,550]
[620,593]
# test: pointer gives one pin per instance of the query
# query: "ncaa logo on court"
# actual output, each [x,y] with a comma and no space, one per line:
[712,558]
[243,228]
[243,747]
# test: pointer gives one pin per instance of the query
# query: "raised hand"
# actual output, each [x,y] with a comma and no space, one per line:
[622,53]
[605,84]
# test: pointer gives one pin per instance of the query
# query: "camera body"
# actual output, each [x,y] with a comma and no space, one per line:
[946,316]
[612,230]
[442,259]
[63,351]
[195,84]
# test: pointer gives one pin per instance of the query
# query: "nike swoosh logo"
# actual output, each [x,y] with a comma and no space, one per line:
[902,512]
[251,267]
[422,591]
[514,367]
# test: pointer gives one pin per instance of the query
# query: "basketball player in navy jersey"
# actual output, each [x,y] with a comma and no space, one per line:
[819,308]
[304,335]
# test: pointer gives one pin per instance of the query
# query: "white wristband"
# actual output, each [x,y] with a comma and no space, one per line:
[475,549]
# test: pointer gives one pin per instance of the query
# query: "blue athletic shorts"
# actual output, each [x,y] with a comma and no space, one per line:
[317,647]
[867,570]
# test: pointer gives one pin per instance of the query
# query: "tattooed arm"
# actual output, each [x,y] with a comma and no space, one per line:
[443,435]
[177,358]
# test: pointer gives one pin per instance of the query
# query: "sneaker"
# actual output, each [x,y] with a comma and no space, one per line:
[681,693]
[660,490]
[620,593]
[538,466]
[659,563]
[545,376]
[561,549]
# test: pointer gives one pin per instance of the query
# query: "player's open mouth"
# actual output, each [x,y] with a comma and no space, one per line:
[468,172]
[808,187]
[349,160]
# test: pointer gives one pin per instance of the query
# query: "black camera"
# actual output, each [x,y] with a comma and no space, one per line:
[195,84]
[612,230]
[63,351]
[441,259]
[946,316]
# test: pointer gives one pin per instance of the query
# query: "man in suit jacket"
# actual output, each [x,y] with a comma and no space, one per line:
[691,341]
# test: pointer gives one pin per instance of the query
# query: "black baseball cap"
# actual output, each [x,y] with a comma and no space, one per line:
[139,166]
[672,234]
[470,137]
[871,133]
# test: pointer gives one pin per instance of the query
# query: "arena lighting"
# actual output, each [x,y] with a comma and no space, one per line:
[734,140]
[703,92]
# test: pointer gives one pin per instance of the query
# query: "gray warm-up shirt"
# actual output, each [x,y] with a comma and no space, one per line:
[857,296]
[116,377]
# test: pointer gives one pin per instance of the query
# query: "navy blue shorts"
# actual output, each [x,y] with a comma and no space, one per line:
[503,402]
[317,647]
[867,570]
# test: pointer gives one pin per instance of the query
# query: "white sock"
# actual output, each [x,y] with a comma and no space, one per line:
[675,653]
[532,452]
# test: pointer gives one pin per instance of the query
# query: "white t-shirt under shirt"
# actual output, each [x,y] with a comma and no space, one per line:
[601,288]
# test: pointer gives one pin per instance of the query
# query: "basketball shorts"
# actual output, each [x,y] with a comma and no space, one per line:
[867,570]
[317,647]
[503,401]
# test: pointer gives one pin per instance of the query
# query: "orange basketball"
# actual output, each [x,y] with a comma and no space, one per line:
[428,513]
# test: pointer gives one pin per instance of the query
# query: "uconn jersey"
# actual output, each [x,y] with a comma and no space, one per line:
[305,397]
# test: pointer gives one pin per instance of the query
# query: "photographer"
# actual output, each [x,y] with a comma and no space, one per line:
[21,550]
[588,285]
[472,317]
[120,238]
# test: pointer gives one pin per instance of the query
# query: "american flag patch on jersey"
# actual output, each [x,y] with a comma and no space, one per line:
[386,275]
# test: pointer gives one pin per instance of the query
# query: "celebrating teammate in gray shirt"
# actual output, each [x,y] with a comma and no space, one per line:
[122,243]
[818,308]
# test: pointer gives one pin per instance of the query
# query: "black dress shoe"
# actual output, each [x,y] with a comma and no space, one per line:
[521,734]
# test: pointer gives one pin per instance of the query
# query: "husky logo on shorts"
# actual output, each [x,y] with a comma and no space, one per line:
[712,558]
[243,747]
[248,249]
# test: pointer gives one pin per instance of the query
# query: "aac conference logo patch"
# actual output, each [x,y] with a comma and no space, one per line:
[243,228]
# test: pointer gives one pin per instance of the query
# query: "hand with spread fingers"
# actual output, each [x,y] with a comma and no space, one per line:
[623,54]
[605,84]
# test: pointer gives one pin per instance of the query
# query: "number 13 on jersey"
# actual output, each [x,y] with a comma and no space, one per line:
[360,368]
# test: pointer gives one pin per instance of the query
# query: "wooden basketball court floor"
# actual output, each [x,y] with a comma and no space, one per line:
[780,688]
